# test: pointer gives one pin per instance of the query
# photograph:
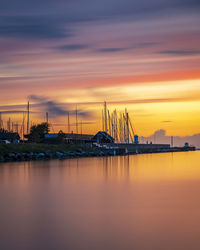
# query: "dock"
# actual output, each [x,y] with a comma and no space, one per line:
[124,148]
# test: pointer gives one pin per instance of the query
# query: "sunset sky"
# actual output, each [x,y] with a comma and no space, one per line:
[135,54]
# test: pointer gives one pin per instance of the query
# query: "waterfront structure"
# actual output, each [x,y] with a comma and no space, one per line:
[102,137]
[73,138]
[69,138]
[9,137]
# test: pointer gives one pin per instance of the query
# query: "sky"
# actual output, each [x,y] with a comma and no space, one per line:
[135,54]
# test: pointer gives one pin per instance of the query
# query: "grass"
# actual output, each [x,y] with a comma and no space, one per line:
[5,149]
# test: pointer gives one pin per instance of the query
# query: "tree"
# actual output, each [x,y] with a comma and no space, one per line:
[38,131]
[2,130]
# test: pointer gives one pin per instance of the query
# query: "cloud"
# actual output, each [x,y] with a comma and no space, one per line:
[14,112]
[72,124]
[110,50]
[166,121]
[50,106]
[179,52]
[160,136]
[75,11]
[145,45]
[48,19]
[141,45]
[72,47]
[82,123]
[33,27]
[43,103]
[56,109]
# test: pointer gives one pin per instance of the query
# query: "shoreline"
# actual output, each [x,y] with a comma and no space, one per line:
[31,152]
[44,152]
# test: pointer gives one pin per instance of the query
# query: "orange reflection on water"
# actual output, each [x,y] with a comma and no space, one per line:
[127,202]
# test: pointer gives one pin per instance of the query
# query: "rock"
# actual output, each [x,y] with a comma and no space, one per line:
[41,155]
[77,154]
[65,153]
[92,154]
[2,158]
[79,150]
[11,155]
[59,154]
[84,154]
[19,157]
[26,156]
[48,154]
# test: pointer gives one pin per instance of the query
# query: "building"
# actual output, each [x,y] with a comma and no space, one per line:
[103,137]
[72,138]
[9,137]
[78,138]
[69,138]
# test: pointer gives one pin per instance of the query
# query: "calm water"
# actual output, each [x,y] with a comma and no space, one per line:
[132,202]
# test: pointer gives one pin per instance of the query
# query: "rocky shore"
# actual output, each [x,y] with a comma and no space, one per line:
[53,152]
[31,152]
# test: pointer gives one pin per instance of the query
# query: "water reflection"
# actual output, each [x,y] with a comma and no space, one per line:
[128,202]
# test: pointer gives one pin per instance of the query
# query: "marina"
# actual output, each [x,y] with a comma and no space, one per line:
[117,137]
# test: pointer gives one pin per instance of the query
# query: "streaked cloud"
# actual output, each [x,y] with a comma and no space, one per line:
[110,50]
[7,112]
[180,52]
[72,47]
[56,109]
[129,53]
[166,121]
[32,27]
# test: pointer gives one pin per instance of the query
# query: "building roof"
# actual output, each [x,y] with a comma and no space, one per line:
[48,136]
[71,136]
[83,137]
[104,134]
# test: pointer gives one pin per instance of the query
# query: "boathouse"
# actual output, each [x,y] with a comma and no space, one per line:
[102,137]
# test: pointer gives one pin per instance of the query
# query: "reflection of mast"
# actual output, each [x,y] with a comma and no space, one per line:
[28,117]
